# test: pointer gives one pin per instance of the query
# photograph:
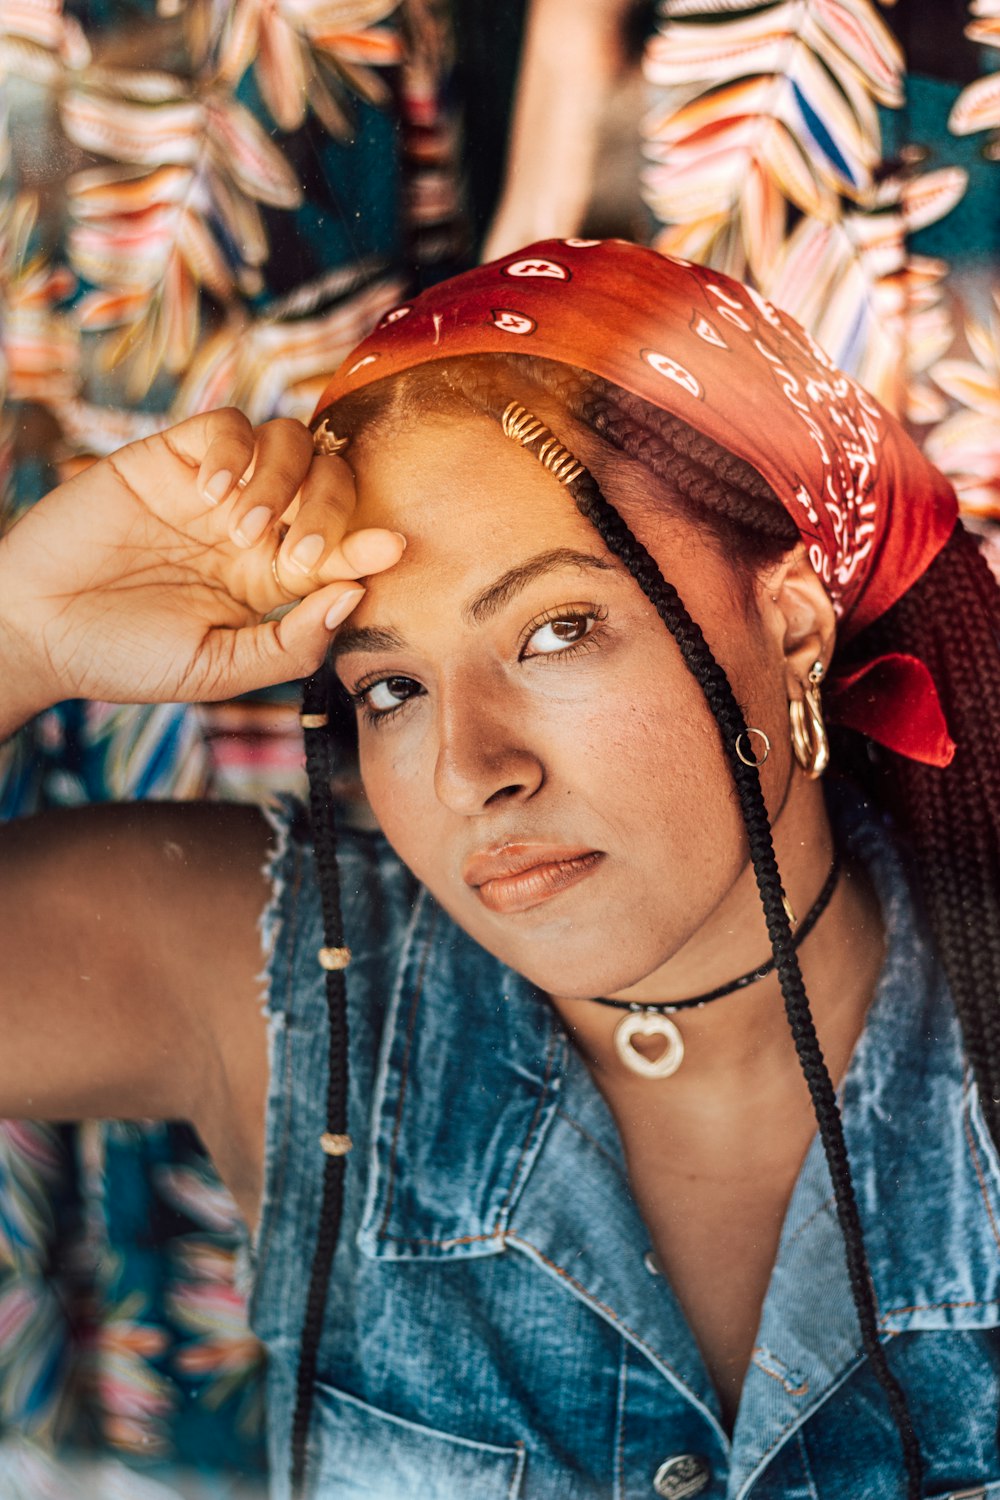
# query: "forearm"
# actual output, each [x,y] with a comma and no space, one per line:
[573,52]
[24,690]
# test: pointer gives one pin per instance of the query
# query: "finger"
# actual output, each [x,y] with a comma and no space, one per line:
[161,468]
[276,651]
[281,462]
[227,443]
[326,502]
[308,559]
[315,549]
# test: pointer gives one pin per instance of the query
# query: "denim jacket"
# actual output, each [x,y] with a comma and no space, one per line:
[496,1329]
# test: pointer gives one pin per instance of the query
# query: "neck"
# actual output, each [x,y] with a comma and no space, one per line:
[745,1036]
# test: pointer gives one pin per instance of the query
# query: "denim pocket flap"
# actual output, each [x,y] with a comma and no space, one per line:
[366,1454]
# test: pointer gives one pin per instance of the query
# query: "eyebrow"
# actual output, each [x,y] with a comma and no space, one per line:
[482,606]
[490,600]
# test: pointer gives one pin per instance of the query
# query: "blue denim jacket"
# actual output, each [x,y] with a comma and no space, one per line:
[494,1331]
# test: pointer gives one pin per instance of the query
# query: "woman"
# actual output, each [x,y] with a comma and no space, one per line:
[568,1228]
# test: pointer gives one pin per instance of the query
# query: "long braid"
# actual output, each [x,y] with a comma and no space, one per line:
[950,618]
[730,720]
[318,745]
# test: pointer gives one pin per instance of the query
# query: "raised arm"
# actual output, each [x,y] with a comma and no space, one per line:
[128,944]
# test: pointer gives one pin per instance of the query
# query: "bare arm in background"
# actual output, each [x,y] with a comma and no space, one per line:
[573,54]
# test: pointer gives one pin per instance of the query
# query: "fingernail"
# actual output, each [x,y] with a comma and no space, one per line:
[252,526]
[218,487]
[306,554]
[342,608]
[401,538]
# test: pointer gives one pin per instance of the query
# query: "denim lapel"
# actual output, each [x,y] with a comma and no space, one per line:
[508,1146]
[468,1076]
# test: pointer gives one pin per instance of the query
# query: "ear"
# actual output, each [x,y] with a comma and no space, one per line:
[799,617]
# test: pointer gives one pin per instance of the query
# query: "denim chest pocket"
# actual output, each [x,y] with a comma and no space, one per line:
[362,1453]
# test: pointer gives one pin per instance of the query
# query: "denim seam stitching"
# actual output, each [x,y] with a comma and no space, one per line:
[497,1231]
[620,1425]
[518,1474]
[807,1467]
[895,1312]
[823,1208]
[977,1164]
[800,1417]
[562,1115]
[555,1039]
[284,1131]
[793,1390]
[404,1080]
[589,1297]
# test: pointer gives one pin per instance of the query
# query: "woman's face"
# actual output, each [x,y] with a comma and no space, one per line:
[531,742]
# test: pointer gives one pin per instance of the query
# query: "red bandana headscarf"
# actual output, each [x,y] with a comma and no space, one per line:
[870,508]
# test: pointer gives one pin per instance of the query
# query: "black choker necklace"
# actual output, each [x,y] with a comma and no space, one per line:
[652,1020]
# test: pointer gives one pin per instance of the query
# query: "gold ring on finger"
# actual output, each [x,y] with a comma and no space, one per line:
[283,532]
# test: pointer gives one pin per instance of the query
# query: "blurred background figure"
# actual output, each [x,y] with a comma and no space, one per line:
[205,203]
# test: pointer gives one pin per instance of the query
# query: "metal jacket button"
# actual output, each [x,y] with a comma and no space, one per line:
[682,1476]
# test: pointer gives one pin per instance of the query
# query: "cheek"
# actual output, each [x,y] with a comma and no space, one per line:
[663,786]
[397,772]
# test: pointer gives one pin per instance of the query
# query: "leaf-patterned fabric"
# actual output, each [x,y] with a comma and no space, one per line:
[835,154]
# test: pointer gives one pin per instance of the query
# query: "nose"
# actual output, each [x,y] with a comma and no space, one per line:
[483,757]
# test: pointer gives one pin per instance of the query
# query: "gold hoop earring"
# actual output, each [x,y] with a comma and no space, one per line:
[748,760]
[809,739]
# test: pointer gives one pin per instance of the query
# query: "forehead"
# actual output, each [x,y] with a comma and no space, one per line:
[458,488]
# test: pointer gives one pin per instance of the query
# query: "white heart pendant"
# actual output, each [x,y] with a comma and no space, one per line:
[649,1023]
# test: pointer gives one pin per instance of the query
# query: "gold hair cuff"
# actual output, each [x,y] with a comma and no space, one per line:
[314,721]
[334,958]
[326,441]
[335,1145]
[524,427]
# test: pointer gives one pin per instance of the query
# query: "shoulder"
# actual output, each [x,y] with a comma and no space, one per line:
[377,892]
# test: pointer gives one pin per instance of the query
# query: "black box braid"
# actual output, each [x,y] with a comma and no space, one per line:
[715,685]
[319,767]
[950,618]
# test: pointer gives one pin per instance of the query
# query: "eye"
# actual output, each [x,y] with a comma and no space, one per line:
[383,697]
[559,633]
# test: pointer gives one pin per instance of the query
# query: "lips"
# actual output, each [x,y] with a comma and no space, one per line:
[515,877]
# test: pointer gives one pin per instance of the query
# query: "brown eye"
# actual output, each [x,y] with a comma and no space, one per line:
[556,635]
[569,630]
[382,697]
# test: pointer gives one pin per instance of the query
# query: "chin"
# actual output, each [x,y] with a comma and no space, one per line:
[572,954]
[580,969]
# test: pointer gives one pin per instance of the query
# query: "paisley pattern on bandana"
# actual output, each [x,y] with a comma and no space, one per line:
[871,509]
[716,353]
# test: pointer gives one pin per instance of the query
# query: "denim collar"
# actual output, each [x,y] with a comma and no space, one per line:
[485,1122]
